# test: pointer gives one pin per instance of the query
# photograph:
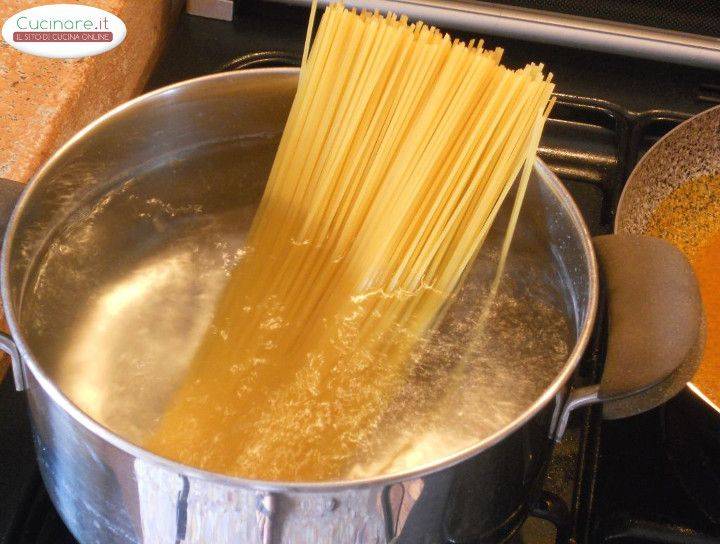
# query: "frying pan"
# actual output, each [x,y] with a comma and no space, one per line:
[691,421]
[690,150]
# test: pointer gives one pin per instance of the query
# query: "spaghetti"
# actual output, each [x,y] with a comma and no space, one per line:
[399,148]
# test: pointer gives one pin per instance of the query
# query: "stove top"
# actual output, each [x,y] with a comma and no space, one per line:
[654,478]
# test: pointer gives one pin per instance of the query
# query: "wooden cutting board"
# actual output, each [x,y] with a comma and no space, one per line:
[45,101]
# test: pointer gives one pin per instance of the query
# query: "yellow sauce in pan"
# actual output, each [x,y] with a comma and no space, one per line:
[689,217]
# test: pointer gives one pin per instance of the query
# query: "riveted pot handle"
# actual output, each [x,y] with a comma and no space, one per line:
[655,327]
[9,192]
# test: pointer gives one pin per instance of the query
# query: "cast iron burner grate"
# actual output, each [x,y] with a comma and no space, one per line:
[591,145]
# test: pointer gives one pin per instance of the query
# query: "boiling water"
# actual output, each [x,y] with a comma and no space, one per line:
[132,279]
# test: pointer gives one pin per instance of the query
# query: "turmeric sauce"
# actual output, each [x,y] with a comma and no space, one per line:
[707,268]
[690,218]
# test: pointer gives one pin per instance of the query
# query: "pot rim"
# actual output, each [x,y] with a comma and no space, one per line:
[623,211]
[57,396]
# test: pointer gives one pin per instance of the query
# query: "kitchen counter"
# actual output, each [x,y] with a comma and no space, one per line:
[43,102]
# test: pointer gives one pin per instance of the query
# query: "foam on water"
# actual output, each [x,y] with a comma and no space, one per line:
[130,283]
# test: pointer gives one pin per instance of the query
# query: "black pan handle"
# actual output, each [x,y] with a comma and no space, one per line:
[9,192]
[655,323]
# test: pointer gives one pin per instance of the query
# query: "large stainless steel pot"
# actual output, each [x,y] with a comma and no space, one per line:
[109,490]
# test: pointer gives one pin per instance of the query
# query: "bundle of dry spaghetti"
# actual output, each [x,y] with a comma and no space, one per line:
[399,148]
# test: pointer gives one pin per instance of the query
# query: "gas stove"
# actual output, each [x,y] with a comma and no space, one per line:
[641,480]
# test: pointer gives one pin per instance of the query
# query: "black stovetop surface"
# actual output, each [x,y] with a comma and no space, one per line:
[626,481]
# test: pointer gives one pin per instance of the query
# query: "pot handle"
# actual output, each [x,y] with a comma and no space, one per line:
[9,192]
[655,327]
